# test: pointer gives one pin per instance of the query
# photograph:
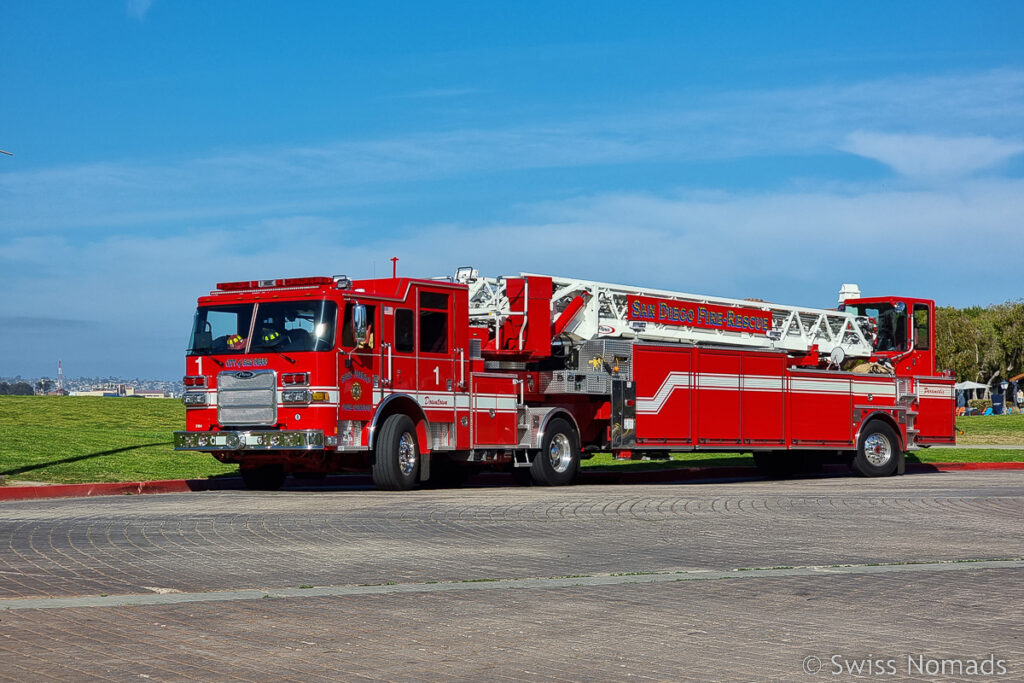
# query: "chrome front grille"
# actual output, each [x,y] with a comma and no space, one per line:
[247,397]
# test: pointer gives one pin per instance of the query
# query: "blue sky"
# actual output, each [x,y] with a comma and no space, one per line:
[748,149]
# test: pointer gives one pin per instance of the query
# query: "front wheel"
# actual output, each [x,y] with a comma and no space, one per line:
[558,461]
[396,458]
[877,451]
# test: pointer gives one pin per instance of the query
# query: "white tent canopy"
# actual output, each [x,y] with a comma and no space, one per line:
[960,386]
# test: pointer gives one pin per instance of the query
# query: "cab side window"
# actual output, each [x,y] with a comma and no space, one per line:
[921,327]
[404,332]
[348,339]
[433,322]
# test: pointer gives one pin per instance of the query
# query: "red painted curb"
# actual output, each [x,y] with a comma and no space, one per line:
[98,489]
[594,478]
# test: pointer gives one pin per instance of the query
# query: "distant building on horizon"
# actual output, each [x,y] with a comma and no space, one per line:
[121,390]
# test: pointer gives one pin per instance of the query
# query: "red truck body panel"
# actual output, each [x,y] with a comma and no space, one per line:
[486,394]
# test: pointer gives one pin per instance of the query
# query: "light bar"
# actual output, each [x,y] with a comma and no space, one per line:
[305,281]
[235,286]
[266,284]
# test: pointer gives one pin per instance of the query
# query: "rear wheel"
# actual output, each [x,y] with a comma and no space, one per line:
[396,461]
[877,450]
[559,459]
[263,478]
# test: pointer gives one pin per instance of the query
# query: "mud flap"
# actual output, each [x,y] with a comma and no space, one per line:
[425,466]
[901,463]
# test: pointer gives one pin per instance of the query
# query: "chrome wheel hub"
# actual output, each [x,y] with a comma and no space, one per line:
[560,453]
[877,449]
[407,453]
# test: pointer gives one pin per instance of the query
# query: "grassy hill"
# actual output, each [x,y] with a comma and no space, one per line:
[73,439]
[81,439]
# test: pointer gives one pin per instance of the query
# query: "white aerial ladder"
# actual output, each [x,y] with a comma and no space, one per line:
[605,315]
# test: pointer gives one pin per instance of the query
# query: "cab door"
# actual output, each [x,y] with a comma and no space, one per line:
[358,366]
[436,364]
[400,322]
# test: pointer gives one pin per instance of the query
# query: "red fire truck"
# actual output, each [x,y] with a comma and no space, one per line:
[425,380]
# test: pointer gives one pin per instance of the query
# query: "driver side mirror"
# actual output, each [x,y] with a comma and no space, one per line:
[359,324]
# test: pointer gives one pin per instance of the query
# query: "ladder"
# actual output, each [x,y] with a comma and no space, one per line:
[605,314]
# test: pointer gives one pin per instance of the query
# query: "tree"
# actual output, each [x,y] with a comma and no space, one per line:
[1009,326]
[981,344]
[21,389]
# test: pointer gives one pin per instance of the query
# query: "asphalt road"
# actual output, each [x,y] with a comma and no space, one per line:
[917,576]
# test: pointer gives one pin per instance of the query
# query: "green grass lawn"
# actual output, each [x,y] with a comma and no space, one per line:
[69,439]
[92,439]
[991,429]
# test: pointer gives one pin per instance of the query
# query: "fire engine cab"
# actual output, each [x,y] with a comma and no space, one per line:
[426,380]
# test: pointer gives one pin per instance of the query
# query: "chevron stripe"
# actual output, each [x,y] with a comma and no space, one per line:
[654,404]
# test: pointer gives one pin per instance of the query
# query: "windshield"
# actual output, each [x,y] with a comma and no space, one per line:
[891,321]
[235,329]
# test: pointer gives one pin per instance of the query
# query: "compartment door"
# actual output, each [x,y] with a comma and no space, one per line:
[762,404]
[718,398]
[494,400]
[664,394]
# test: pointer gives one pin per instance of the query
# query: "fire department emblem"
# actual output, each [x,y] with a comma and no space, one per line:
[356,391]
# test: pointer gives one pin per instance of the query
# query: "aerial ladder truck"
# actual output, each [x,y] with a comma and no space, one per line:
[426,380]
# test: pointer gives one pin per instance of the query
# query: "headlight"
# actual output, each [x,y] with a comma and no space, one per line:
[194,399]
[296,396]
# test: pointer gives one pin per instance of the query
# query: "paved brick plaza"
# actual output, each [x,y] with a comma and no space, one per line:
[624,615]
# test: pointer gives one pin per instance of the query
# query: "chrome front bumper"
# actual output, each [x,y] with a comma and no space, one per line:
[261,440]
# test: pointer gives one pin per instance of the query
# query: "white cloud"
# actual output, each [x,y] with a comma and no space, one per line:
[789,247]
[932,156]
[137,242]
[138,8]
[254,182]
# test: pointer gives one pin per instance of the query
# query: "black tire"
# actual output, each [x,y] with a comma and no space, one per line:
[878,451]
[264,478]
[396,458]
[558,461]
